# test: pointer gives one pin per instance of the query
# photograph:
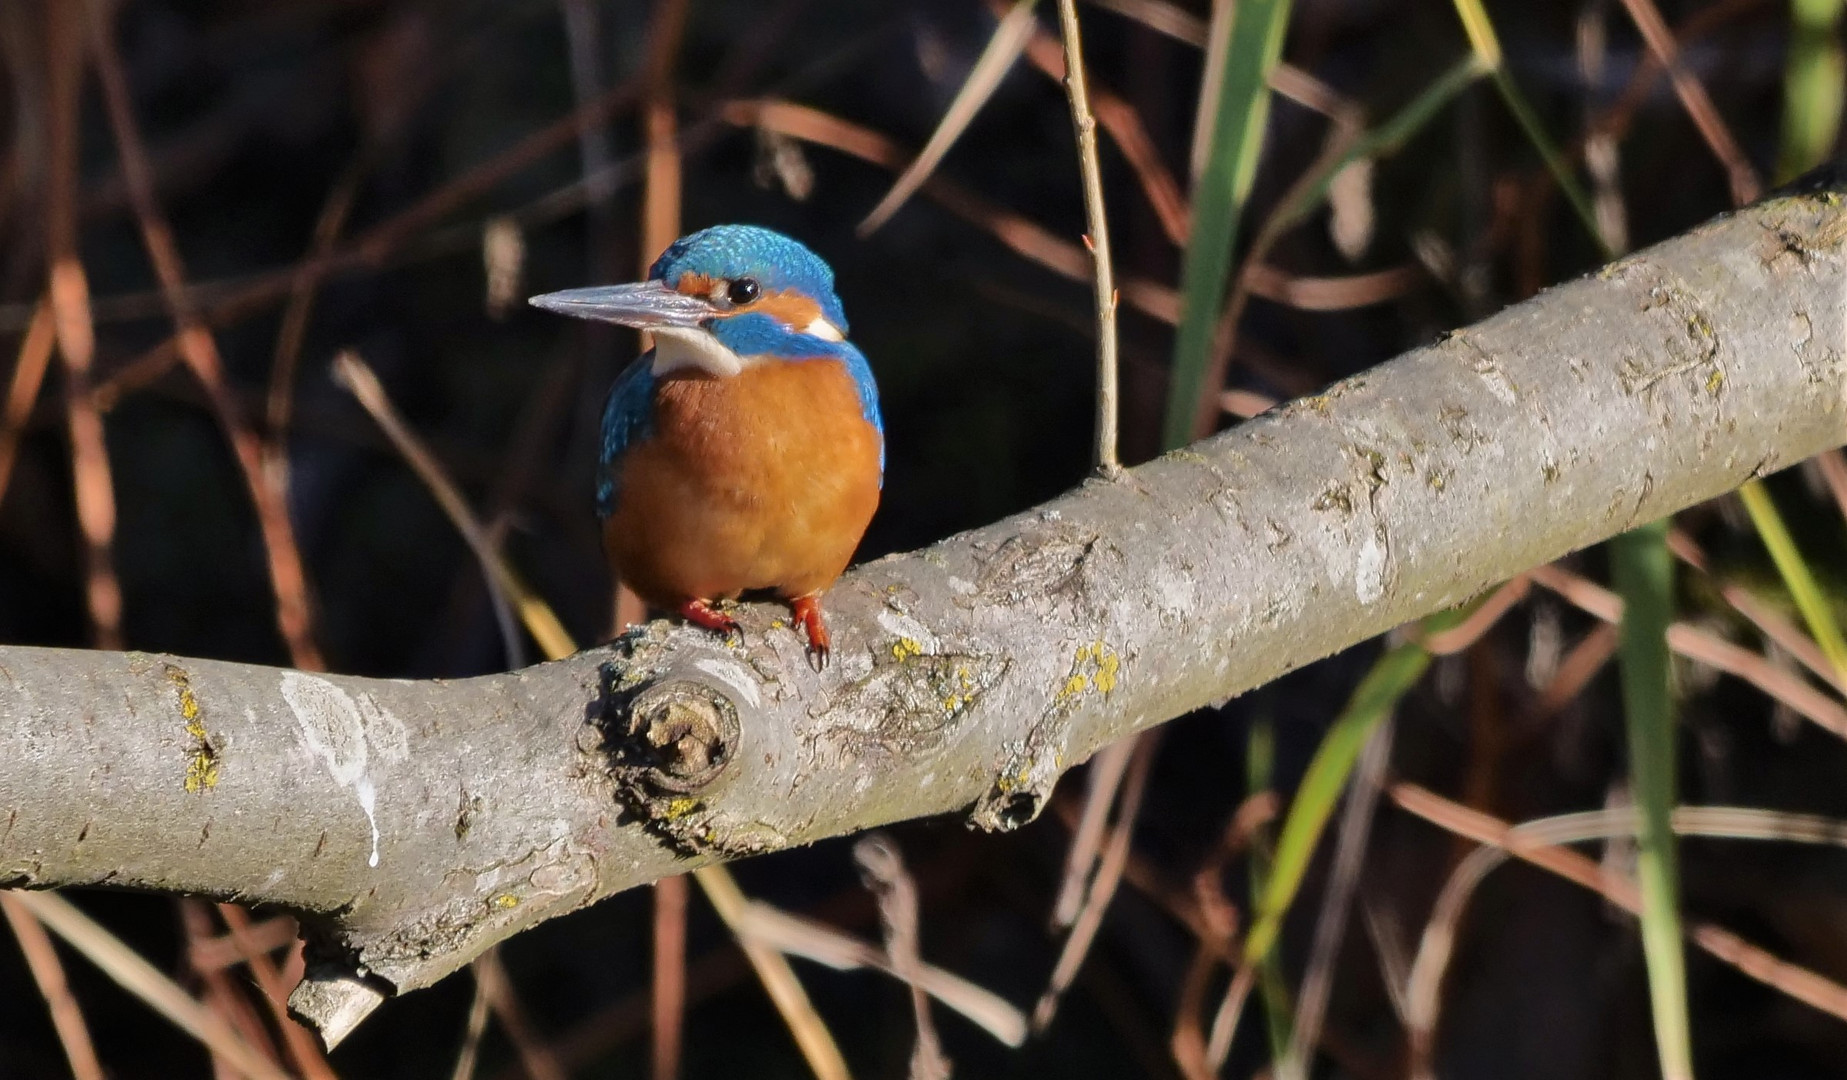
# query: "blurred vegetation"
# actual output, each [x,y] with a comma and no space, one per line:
[1397,190]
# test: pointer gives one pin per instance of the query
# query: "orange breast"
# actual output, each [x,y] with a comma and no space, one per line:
[765,480]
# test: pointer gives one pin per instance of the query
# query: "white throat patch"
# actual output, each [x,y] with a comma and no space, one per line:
[677,348]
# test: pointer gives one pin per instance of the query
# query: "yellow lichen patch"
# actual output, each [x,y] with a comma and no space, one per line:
[905,648]
[505,901]
[1093,665]
[1108,664]
[1714,381]
[202,768]
[679,808]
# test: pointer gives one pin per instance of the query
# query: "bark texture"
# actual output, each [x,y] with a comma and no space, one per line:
[416,823]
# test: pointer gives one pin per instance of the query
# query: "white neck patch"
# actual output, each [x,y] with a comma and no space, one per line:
[677,348]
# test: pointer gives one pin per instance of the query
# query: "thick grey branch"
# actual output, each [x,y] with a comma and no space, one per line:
[416,823]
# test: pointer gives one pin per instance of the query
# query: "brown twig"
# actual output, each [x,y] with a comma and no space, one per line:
[28,376]
[140,978]
[220,993]
[883,870]
[1745,185]
[288,579]
[534,1053]
[1703,647]
[75,331]
[1534,843]
[1102,887]
[660,224]
[1759,614]
[48,972]
[1102,781]
[302,1047]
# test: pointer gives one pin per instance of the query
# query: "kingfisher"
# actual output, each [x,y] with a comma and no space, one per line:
[744,451]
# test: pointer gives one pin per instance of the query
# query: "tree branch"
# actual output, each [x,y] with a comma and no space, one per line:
[414,824]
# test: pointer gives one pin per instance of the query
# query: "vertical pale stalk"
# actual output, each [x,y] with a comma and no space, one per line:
[1107,460]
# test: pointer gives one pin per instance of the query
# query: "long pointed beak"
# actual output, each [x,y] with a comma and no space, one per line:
[644,305]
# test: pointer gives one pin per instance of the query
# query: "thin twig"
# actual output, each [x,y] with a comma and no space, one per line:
[473,1029]
[668,990]
[1336,902]
[76,332]
[28,376]
[1536,843]
[505,589]
[1745,185]
[303,1050]
[492,982]
[1103,781]
[1103,886]
[660,224]
[48,972]
[220,993]
[785,990]
[883,870]
[140,978]
[1706,648]
[1124,124]
[288,578]
[1097,221]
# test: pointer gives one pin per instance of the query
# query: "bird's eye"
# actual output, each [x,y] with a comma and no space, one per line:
[743,291]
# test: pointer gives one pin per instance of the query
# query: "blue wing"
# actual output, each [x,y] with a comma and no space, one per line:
[628,416]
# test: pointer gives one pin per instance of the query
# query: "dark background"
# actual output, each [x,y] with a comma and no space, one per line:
[255,111]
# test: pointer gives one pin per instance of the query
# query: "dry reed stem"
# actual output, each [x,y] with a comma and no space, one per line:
[1503,840]
[140,978]
[882,869]
[1706,648]
[1102,781]
[48,973]
[1745,185]
[28,376]
[288,578]
[1102,887]
[74,329]
[535,1054]
[303,1049]
[473,1030]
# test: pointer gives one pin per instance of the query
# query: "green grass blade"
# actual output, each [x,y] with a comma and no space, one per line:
[1643,573]
[1384,140]
[1795,572]
[1814,85]
[1487,46]
[1378,693]
[1254,44]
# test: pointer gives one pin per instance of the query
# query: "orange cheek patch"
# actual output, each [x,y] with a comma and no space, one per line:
[792,309]
[691,284]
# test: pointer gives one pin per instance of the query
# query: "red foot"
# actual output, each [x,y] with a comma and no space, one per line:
[808,616]
[702,613]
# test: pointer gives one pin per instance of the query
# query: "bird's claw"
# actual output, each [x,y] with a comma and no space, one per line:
[705,613]
[807,610]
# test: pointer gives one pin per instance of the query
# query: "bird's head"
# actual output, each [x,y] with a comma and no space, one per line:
[721,300]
